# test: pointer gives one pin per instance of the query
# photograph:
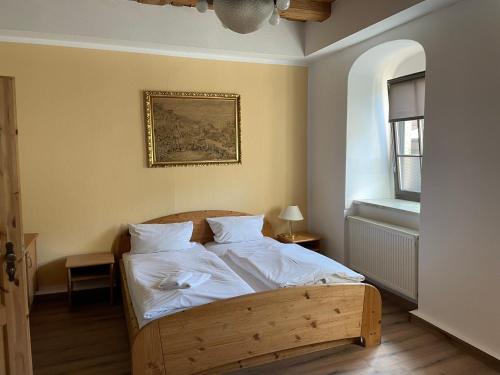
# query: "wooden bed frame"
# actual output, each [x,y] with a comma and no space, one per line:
[252,329]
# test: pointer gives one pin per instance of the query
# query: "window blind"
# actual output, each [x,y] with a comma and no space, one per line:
[407,97]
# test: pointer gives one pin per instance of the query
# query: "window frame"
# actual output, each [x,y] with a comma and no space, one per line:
[399,193]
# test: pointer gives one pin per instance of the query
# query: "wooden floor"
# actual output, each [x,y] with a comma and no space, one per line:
[92,339]
[89,339]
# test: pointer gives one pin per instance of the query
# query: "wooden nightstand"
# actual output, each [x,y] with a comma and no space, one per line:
[90,267]
[308,240]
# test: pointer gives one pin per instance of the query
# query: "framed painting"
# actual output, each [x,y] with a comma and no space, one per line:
[190,128]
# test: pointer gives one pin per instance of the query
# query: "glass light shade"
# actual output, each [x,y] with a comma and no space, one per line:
[243,16]
[202,6]
[291,213]
[283,4]
[275,17]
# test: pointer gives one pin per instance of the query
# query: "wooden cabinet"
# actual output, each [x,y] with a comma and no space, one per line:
[31,265]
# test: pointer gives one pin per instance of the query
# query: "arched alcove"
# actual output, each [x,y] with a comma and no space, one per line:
[369,172]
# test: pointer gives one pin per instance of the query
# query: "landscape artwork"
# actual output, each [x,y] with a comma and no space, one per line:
[192,128]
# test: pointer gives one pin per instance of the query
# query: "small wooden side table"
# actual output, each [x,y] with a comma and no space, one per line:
[90,267]
[308,240]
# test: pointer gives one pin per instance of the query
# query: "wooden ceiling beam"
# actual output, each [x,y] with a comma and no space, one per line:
[300,10]
[308,10]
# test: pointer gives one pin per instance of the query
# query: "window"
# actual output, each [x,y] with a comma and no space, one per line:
[408,147]
[406,117]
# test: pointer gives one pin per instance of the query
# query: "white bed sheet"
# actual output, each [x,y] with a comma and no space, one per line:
[268,264]
[144,272]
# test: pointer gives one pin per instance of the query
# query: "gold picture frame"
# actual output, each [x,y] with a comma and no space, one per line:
[192,128]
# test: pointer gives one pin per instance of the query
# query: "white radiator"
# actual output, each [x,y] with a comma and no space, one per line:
[385,253]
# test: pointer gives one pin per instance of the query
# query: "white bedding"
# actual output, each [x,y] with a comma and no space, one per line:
[145,271]
[268,264]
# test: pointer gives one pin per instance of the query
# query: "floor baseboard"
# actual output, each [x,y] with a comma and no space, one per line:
[82,296]
[62,289]
[484,357]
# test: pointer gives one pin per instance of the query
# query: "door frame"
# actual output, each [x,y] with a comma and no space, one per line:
[14,311]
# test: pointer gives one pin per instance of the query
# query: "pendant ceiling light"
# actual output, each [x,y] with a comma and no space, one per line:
[243,16]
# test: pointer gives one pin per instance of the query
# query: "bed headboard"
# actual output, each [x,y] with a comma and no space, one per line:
[201,231]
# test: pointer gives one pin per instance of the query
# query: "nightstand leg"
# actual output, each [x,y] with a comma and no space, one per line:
[70,286]
[111,282]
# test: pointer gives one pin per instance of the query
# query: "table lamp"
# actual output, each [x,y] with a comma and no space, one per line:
[291,214]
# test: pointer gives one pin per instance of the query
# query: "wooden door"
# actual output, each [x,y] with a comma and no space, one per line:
[15,346]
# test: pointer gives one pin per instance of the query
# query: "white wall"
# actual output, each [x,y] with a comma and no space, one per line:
[413,64]
[368,148]
[128,25]
[459,253]
[349,17]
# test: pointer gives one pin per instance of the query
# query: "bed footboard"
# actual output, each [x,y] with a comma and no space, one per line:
[258,328]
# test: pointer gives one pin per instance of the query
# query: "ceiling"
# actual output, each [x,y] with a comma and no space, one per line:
[126,25]
[300,10]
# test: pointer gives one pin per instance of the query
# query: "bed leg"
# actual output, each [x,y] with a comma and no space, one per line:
[371,331]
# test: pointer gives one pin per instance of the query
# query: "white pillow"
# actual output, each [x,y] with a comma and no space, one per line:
[229,229]
[152,238]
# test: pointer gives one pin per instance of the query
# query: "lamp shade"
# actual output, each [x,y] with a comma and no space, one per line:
[243,16]
[291,213]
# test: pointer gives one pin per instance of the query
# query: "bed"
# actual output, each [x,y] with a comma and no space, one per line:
[145,272]
[267,264]
[251,329]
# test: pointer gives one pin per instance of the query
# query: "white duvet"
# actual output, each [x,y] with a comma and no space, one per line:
[268,264]
[146,271]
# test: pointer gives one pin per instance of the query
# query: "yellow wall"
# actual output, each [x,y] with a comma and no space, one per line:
[82,150]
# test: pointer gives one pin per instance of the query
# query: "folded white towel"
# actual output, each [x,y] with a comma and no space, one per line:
[175,281]
[197,279]
[320,279]
[334,278]
[183,280]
